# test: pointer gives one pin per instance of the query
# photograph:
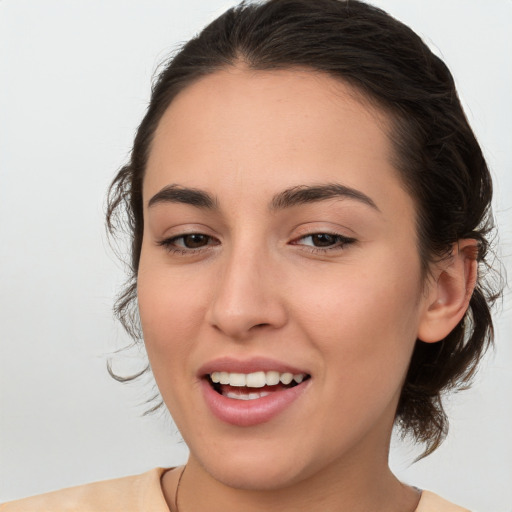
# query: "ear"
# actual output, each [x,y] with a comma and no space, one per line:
[449,292]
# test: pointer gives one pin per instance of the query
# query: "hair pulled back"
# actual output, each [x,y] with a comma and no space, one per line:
[436,154]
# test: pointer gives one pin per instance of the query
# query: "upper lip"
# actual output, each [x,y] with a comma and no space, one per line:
[254,364]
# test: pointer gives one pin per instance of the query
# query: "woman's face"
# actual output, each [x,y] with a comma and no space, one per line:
[278,243]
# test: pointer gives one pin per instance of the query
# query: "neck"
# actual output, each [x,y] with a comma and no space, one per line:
[341,486]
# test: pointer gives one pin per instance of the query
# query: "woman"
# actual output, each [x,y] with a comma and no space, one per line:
[308,209]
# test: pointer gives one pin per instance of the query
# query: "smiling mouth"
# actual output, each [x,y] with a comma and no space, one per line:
[252,386]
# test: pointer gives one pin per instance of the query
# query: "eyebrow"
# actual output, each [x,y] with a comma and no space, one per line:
[303,194]
[294,196]
[184,195]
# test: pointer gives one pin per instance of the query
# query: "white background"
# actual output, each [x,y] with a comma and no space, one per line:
[74,82]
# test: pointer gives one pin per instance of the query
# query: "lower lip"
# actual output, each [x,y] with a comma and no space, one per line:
[246,413]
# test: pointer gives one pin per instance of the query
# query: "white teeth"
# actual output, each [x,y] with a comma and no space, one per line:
[272,378]
[286,378]
[237,379]
[256,379]
[250,396]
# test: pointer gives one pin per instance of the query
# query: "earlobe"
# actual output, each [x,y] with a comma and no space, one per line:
[449,294]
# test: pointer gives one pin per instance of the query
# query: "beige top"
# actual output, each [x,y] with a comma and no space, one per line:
[142,493]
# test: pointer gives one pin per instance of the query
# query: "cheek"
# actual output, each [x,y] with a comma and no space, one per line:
[171,311]
[364,331]
[365,317]
[171,316]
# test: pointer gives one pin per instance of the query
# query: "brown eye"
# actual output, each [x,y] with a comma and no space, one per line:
[194,241]
[188,243]
[323,239]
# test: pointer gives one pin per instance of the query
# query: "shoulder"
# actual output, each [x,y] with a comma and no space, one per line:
[128,494]
[431,502]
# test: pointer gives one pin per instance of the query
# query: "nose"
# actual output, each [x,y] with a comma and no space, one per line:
[247,297]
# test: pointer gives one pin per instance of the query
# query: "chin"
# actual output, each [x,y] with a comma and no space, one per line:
[259,478]
[260,470]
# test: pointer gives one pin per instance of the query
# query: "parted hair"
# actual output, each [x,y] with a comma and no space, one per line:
[435,152]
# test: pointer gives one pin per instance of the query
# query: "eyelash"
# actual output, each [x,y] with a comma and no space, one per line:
[170,244]
[340,242]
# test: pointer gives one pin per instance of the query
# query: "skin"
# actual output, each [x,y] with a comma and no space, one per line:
[348,315]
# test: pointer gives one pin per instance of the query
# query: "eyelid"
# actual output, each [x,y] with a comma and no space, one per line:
[169,244]
[183,229]
[341,243]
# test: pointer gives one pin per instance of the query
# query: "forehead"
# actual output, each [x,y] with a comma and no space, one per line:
[239,129]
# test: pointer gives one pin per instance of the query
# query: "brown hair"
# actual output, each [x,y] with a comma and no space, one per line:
[437,155]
